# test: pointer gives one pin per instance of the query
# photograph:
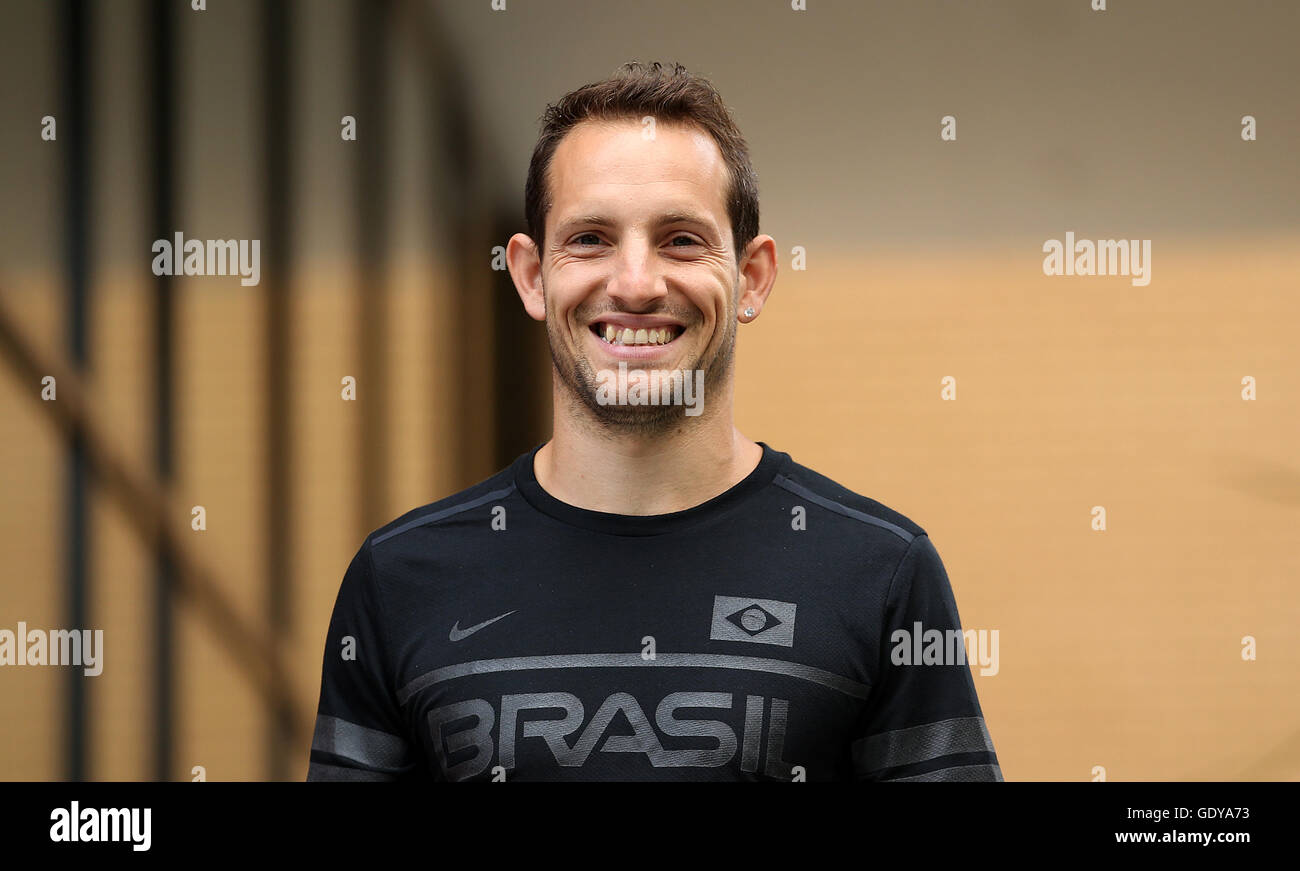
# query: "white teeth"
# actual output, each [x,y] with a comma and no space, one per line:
[628,336]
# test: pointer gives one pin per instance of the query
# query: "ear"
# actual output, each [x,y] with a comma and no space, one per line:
[526,272]
[757,274]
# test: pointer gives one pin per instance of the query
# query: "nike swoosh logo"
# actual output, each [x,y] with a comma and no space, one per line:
[457,633]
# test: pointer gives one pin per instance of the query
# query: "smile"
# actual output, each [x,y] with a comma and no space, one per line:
[611,334]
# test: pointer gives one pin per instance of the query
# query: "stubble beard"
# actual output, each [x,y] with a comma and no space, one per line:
[579,383]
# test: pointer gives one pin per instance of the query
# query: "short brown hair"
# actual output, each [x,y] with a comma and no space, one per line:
[665,93]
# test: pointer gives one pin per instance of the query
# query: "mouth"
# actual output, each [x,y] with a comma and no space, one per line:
[621,334]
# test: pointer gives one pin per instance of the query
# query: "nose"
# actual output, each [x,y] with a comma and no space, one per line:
[636,284]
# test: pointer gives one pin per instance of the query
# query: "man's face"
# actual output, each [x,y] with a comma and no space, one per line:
[638,266]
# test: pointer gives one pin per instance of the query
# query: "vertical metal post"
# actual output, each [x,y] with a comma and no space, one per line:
[76,132]
[371,27]
[277,394]
[163,148]
[470,306]
[521,370]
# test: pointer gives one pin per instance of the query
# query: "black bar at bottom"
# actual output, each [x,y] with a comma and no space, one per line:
[902,825]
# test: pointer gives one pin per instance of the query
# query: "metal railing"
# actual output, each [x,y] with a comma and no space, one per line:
[465,168]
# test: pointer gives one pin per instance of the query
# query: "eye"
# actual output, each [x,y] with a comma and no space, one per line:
[578,239]
[690,240]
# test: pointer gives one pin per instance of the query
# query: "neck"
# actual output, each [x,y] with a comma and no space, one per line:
[588,465]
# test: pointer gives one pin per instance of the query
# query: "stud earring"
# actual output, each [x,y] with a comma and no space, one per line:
[749,312]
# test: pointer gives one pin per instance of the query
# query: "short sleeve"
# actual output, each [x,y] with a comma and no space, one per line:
[359,733]
[923,721]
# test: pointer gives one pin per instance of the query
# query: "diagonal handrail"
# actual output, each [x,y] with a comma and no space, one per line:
[151,510]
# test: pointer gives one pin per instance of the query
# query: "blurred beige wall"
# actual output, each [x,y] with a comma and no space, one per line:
[923,260]
[1119,648]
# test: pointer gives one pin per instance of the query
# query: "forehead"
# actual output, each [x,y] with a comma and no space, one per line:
[611,163]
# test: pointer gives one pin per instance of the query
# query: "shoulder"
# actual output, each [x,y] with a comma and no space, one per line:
[834,499]
[499,486]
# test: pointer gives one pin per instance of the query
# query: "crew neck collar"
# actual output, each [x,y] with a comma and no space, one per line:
[525,479]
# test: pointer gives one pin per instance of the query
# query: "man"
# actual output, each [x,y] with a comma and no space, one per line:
[649,595]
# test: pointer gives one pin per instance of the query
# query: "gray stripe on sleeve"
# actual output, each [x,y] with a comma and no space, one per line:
[324,773]
[921,744]
[956,774]
[830,504]
[443,514]
[369,747]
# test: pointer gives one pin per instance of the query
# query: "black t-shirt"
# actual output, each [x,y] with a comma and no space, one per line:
[503,634]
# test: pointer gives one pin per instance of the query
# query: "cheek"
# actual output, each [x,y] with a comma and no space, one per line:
[718,305]
[558,306]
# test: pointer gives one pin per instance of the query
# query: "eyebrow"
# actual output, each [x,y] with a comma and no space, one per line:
[673,217]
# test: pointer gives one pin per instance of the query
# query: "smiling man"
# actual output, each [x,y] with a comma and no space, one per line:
[650,594]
